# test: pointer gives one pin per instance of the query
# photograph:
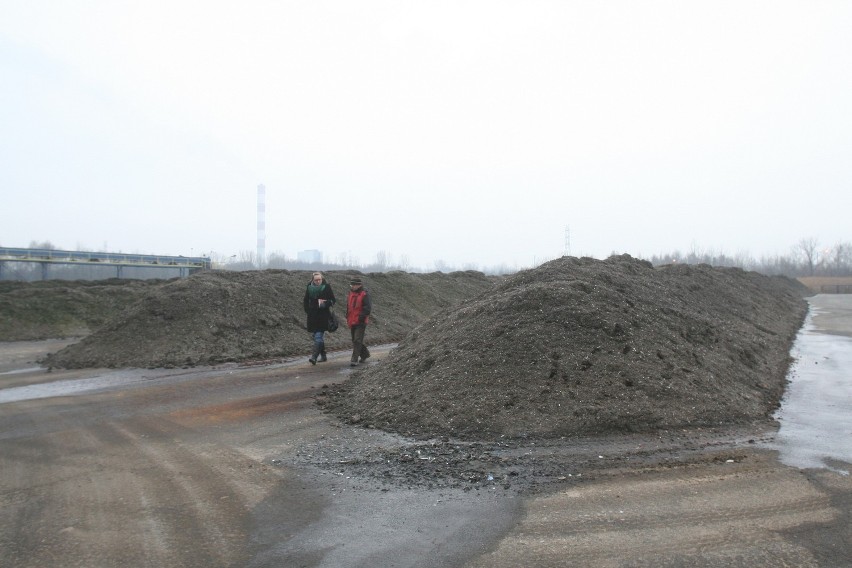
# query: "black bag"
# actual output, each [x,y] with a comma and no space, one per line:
[333,324]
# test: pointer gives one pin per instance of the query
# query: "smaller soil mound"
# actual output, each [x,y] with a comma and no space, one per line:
[220,316]
[50,309]
[587,347]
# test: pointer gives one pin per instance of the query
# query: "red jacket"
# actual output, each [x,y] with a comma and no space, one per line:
[358,308]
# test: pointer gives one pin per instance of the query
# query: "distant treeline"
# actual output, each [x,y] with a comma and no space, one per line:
[807,258]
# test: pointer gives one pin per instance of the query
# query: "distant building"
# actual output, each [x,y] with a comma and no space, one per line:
[309,256]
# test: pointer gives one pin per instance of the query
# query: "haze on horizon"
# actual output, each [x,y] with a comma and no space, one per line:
[470,133]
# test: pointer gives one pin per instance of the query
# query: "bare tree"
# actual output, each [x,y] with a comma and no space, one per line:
[347,259]
[243,261]
[841,258]
[382,260]
[807,250]
[276,259]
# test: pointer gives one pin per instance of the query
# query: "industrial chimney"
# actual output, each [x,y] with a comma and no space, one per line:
[261,226]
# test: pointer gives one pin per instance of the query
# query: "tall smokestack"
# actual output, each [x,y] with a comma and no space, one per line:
[261,226]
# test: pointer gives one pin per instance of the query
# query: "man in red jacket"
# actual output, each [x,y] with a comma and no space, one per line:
[358,308]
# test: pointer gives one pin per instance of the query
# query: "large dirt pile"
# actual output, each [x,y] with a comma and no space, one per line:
[582,347]
[218,316]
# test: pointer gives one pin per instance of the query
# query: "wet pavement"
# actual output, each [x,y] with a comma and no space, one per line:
[34,384]
[816,412]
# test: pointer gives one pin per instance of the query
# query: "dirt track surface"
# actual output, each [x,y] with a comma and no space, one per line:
[236,466]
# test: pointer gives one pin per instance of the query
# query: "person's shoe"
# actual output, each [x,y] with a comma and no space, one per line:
[313,361]
[323,358]
[364,358]
[353,364]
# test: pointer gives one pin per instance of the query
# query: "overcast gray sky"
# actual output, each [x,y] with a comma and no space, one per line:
[471,132]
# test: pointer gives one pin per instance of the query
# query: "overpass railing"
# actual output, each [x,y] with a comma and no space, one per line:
[185,264]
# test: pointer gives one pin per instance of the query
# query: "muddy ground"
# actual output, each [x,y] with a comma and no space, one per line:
[234,465]
[636,436]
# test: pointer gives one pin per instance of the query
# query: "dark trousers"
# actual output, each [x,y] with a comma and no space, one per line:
[358,347]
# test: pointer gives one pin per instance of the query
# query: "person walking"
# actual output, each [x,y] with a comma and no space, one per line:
[358,308]
[319,299]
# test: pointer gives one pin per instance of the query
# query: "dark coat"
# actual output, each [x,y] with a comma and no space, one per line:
[317,316]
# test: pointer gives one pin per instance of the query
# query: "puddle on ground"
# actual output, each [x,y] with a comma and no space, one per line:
[110,380]
[70,387]
[816,413]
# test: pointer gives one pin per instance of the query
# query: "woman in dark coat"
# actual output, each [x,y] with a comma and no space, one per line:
[319,298]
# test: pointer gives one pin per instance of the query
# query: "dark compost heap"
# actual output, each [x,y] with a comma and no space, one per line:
[584,347]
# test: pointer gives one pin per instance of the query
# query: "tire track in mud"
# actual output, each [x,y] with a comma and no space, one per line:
[251,422]
[189,504]
[710,517]
[127,493]
[165,475]
[244,408]
[44,484]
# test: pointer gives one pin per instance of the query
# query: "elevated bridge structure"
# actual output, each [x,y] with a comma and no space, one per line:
[45,264]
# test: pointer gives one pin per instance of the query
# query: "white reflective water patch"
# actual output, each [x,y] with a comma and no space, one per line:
[816,413]
[20,371]
[108,380]
[111,379]
[59,388]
